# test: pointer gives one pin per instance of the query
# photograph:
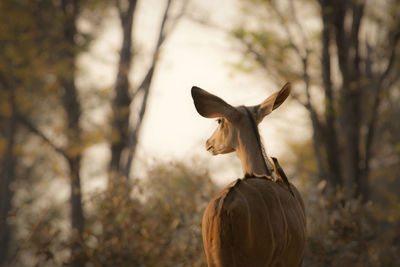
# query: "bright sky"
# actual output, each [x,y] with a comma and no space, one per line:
[193,55]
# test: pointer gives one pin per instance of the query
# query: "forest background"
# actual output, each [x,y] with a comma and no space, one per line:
[102,159]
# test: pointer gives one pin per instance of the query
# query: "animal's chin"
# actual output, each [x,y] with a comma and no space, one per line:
[212,150]
[215,152]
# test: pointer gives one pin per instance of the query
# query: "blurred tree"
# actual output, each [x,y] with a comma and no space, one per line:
[350,50]
[124,137]
[386,167]
[342,231]
[7,167]
[71,103]
[122,99]
[38,70]
[18,80]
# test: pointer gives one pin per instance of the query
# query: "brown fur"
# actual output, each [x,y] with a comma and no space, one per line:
[258,220]
[281,174]
[254,222]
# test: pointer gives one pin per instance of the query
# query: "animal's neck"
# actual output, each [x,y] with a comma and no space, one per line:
[251,153]
[253,161]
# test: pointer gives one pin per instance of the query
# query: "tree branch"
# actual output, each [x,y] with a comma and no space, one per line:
[358,12]
[287,31]
[31,127]
[377,100]
[145,86]
[177,18]
[162,36]
[298,24]
[339,11]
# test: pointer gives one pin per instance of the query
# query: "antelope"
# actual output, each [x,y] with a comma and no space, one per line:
[258,220]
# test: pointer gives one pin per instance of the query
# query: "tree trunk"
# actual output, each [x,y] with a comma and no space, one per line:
[350,130]
[74,153]
[330,135]
[123,138]
[77,218]
[6,176]
[378,84]
[122,99]
[317,145]
[145,87]
[351,68]
[346,40]
[350,97]
[134,133]
[73,112]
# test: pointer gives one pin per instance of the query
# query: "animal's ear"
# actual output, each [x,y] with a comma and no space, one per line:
[272,102]
[211,106]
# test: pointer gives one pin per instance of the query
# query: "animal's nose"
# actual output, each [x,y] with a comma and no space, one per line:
[209,144]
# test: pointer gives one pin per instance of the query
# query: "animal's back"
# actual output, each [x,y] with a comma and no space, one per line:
[254,222]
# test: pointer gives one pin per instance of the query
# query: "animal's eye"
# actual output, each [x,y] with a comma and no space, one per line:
[219,121]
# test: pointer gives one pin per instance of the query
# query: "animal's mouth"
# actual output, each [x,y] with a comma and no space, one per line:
[211,149]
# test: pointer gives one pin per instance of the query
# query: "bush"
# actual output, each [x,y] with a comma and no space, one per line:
[342,231]
[159,225]
[156,221]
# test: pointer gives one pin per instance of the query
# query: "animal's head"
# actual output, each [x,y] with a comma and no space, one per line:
[234,123]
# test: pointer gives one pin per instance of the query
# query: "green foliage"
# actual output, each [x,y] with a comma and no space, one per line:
[270,40]
[267,49]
